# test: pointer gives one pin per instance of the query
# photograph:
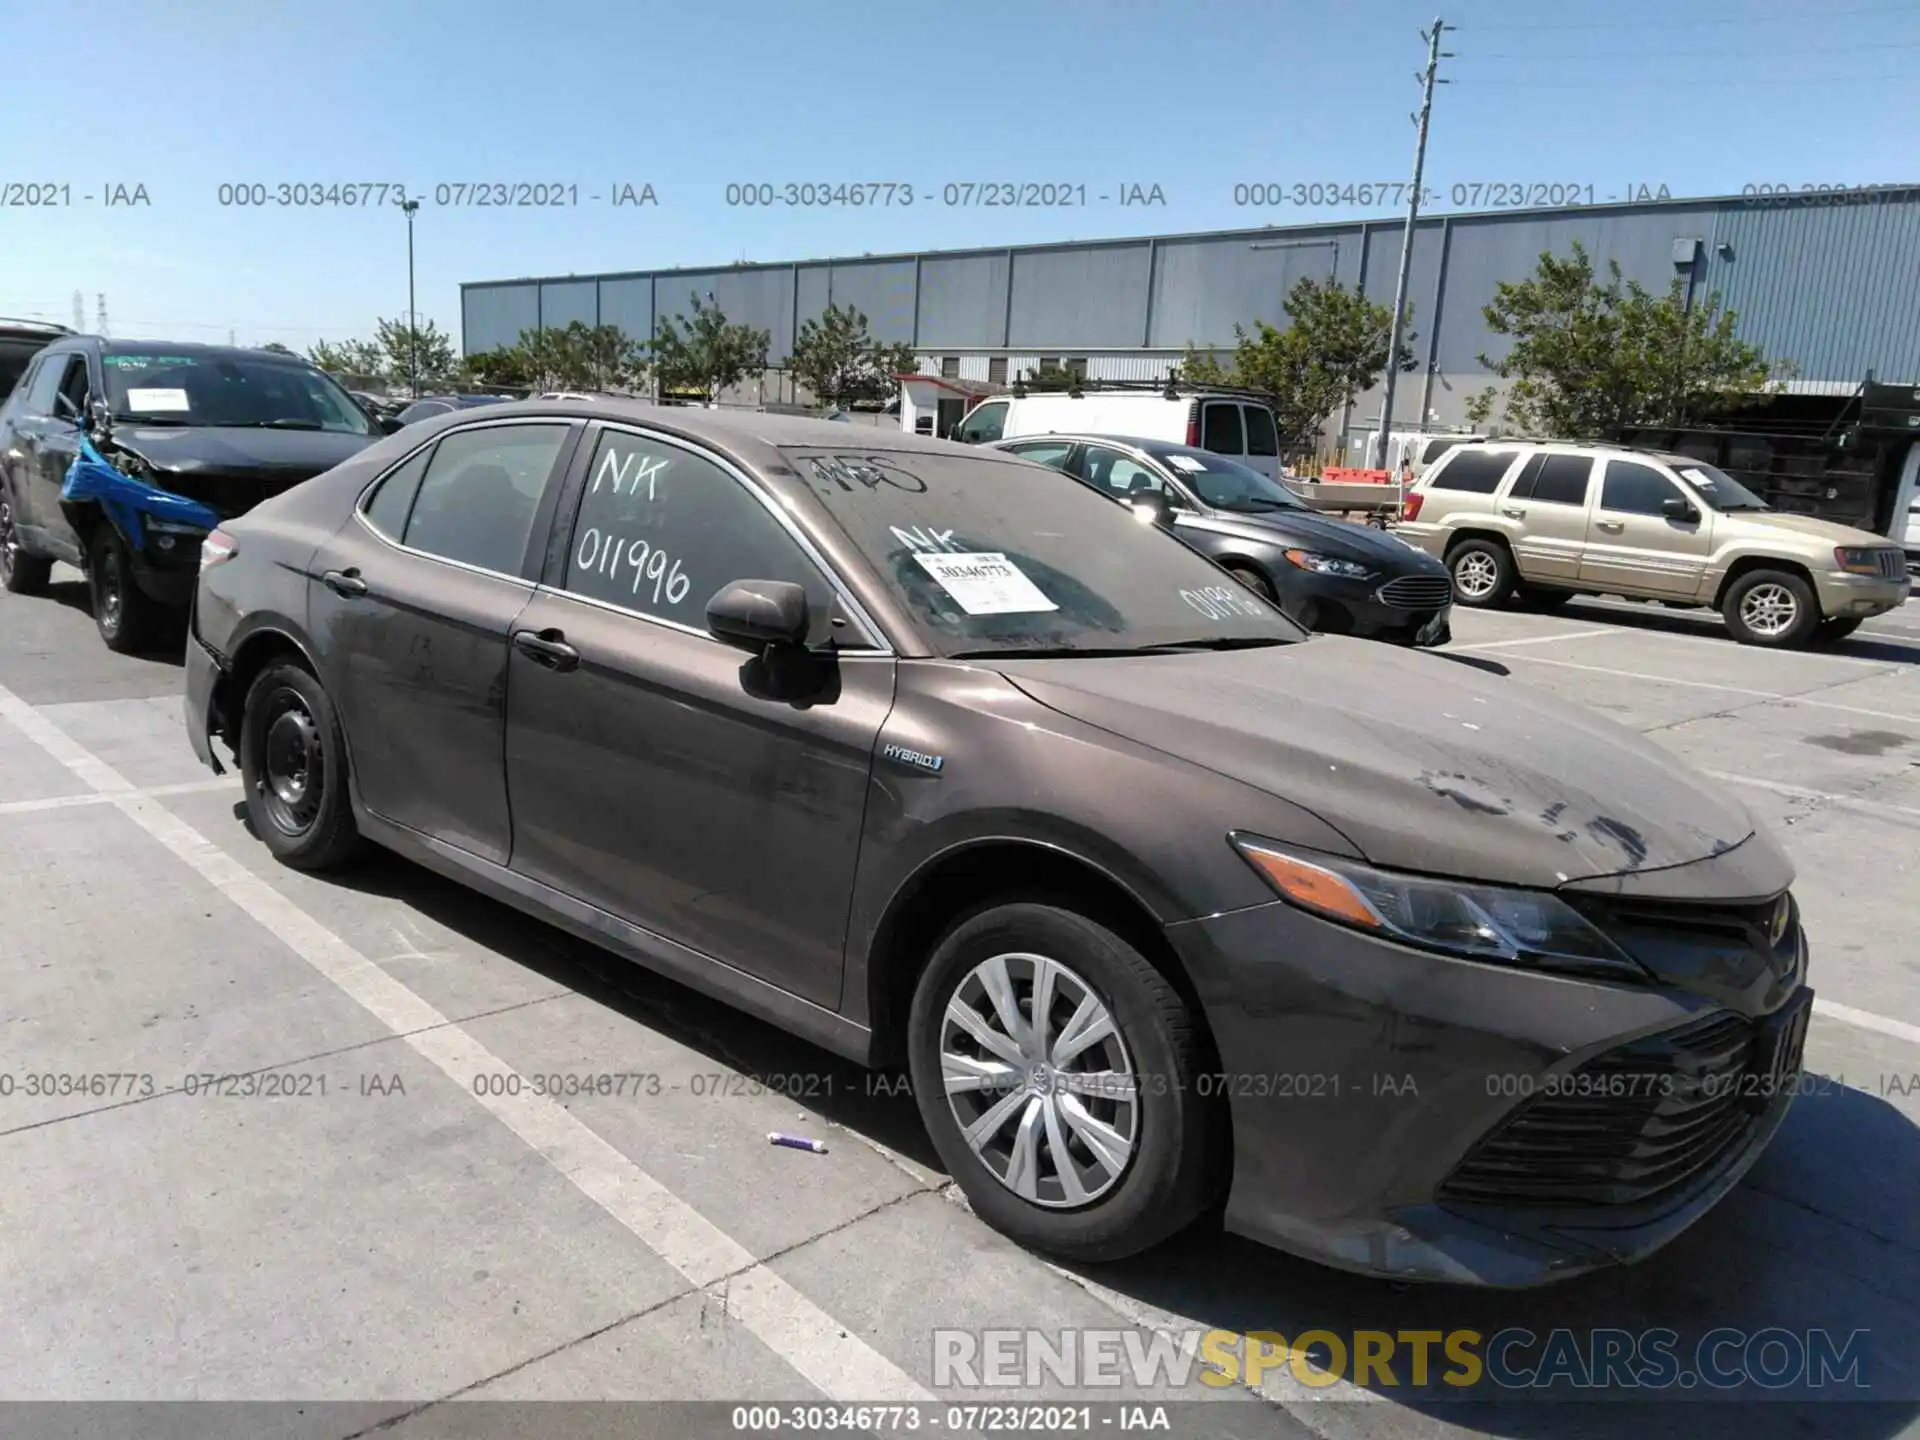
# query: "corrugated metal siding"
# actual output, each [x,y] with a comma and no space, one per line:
[628,304]
[562,302]
[963,301]
[1835,288]
[1080,298]
[882,290]
[494,315]
[1203,288]
[762,298]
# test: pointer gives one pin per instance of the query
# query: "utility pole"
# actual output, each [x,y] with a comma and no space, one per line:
[413,329]
[100,313]
[1428,80]
[79,311]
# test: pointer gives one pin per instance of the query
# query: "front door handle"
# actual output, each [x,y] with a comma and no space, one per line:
[548,648]
[344,582]
[1513,512]
[1612,527]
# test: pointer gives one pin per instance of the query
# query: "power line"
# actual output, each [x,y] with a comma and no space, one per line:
[1747,82]
[1664,22]
[1797,51]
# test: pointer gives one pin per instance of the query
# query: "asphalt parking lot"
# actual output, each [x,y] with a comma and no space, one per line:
[391,1230]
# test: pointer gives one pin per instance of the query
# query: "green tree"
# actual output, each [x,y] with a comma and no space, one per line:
[276,347]
[837,358]
[1334,347]
[1203,367]
[506,366]
[351,357]
[705,353]
[1589,357]
[423,355]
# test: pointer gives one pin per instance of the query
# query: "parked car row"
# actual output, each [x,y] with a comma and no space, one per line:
[1544,522]
[941,759]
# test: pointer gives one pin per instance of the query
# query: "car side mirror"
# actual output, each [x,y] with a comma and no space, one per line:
[389,424]
[756,614]
[1676,509]
[1152,509]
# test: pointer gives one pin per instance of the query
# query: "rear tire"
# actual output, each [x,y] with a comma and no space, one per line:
[1772,608]
[1071,1167]
[293,762]
[20,573]
[124,616]
[1483,575]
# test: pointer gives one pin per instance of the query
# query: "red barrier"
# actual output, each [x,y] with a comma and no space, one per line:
[1352,475]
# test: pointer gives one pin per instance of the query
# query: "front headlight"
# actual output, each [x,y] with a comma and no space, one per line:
[1857,559]
[1528,928]
[174,527]
[1328,565]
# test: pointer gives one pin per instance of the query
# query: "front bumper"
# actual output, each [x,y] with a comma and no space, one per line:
[1368,1083]
[1843,595]
[1330,605]
[204,676]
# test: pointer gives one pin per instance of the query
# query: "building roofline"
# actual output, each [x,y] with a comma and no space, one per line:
[1875,195]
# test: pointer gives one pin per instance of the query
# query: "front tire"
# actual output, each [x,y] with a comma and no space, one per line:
[1832,632]
[293,763]
[122,613]
[1483,576]
[1082,1135]
[20,573]
[1772,608]
[1255,582]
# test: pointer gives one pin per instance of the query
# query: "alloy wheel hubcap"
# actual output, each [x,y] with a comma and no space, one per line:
[1769,609]
[1039,1080]
[6,538]
[1475,574]
[109,597]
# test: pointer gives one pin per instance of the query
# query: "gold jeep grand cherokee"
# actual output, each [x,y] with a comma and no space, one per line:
[1547,521]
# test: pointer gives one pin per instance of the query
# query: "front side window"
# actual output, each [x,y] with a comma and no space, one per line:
[1632,489]
[1262,438]
[1478,471]
[986,562]
[1047,452]
[479,493]
[983,423]
[662,529]
[1220,429]
[46,383]
[158,386]
[1121,476]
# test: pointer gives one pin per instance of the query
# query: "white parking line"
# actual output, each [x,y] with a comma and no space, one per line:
[787,1322]
[1534,640]
[96,797]
[1773,695]
[1867,1020]
[1827,797]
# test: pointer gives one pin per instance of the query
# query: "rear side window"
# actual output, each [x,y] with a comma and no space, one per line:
[1220,429]
[1476,470]
[1563,480]
[1261,436]
[1632,489]
[1047,452]
[1435,449]
[387,510]
[479,493]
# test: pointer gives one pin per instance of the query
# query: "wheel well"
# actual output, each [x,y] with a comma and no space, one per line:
[1460,537]
[990,872]
[256,652]
[1747,564]
[84,518]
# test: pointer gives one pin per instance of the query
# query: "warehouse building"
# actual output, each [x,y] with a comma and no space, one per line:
[1830,283]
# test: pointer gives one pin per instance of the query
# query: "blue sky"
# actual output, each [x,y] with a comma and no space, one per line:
[1195,96]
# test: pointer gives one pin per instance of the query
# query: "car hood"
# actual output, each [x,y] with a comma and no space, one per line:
[225,450]
[1305,529]
[1424,763]
[1809,526]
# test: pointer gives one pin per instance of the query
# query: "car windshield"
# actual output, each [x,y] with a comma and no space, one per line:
[1719,489]
[154,386]
[1225,484]
[988,562]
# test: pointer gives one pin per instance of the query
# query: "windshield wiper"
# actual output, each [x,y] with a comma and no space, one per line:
[270,425]
[1215,642]
[149,420]
[1170,647]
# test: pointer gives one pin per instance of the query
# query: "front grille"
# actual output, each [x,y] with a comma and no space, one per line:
[1892,563]
[1640,1121]
[1417,592]
[228,495]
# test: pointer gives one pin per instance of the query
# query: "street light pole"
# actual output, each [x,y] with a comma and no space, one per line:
[1434,57]
[413,329]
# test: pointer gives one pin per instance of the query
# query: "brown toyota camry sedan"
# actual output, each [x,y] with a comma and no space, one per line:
[939,758]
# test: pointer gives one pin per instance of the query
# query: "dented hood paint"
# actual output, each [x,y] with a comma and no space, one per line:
[237,450]
[1425,764]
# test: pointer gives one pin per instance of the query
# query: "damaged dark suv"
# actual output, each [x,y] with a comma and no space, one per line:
[119,457]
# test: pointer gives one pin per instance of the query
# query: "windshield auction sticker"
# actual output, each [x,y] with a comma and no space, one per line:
[156,401]
[985,584]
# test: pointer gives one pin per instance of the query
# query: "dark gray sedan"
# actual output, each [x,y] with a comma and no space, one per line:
[1158,898]
[1332,576]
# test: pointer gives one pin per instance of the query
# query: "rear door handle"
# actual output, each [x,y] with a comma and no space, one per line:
[344,582]
[548,648]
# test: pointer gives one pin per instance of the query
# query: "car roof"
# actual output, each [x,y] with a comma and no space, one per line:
[195,350]
[1082,437]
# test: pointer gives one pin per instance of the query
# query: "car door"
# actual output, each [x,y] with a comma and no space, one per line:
[654,772]
[1547,500]
[63,390]
[410,603]
[1633,547]
[31,400]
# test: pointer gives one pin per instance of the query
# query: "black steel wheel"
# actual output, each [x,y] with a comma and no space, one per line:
[294,766]
[122,613]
